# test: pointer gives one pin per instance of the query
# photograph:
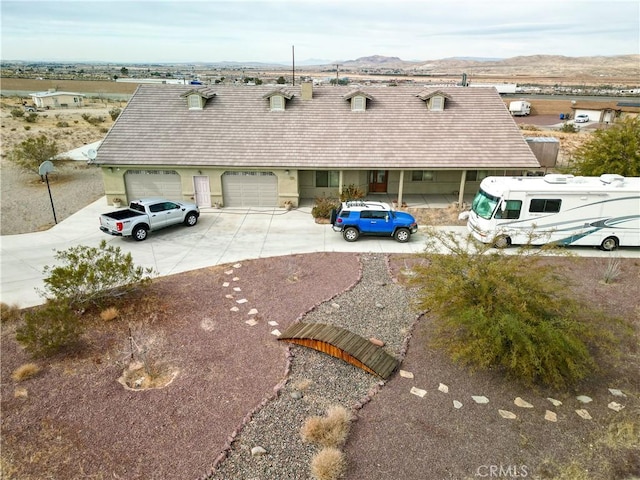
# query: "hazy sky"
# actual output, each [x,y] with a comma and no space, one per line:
[330,30]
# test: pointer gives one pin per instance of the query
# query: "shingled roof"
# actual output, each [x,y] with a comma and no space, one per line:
[238,129]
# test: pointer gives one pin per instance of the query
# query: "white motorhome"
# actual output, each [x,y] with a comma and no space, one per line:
[520,108]
[594,211]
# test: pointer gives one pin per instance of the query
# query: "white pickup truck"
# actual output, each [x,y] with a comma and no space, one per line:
[146,215]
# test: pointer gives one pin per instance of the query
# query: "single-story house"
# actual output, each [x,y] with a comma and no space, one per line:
[55,99]
[240,145]
[606,112]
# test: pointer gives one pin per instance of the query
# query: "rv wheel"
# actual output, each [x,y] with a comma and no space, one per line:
[501,241]
[609,244]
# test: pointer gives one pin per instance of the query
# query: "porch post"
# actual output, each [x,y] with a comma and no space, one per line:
[463,179]
[400,187]
[340,180]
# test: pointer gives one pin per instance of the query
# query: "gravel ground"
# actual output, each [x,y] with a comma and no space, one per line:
[374,307]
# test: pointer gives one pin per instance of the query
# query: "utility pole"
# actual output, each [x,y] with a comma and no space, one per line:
[293,58]
[337,74]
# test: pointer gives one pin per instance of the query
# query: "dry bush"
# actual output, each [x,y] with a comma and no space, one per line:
[25,372]
[19,392]
[9,313]
[328,464]
[329,431]
[109,314]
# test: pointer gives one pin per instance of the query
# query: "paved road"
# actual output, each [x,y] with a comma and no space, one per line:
[221,236]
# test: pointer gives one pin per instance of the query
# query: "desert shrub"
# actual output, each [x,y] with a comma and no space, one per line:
[569,128]
[612,270]
[512,311]
[114,113]
[9,313]
[17,113]
[62,124]
[27,127]
[31,118]
[91,275]
[351,192]
[50,329]
[330,430]
[328,464]
[323,207]
[109,314]
[30,153]
[25,372]
[92,120]
[104,130]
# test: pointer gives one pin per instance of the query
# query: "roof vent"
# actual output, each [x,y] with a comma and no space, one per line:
[609,178]
[557,178]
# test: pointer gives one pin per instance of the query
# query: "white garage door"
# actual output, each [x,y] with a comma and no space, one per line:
[153,183]
[250,189]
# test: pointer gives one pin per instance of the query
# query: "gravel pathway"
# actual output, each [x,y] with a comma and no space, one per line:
[374,307]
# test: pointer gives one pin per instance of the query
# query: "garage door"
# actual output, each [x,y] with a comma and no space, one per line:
[250,189]
[153,183]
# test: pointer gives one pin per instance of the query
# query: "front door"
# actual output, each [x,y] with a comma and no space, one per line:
[378,181]
[202,190]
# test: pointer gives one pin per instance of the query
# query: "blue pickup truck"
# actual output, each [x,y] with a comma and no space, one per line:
[358,218]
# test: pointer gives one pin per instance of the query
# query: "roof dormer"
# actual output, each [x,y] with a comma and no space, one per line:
[197,97]
[277,99]
[358,100]
[435,99]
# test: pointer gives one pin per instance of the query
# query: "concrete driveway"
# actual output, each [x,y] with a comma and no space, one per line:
[221,236]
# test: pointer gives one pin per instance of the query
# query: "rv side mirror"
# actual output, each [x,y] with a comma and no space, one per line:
[503,205]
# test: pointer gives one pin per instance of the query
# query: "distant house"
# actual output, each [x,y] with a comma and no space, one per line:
[264,145]
[55,99]
[606,112]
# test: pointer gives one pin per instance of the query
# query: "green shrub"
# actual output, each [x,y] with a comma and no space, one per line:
[17,113]
[91,275]
[351,192]
[30,153]
[49,330]
[62,124]
[493,309]
[323,207]
[114,113]
[92,120]
[9,313]
[569,128]
[31,118]
[27,127]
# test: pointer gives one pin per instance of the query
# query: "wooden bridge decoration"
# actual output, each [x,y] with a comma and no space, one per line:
[341,343]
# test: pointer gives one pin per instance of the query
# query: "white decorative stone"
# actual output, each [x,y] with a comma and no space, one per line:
[228,272]
[242,300]
[583,414]
[273,323]
[615,406]
[237,289]
[253,311]
[418,391]
[276,332]
[258,451]
[550,416]
[584,399]
[556,403]
[405,374]
[234,309]
[507,414]
[251,322]
[480,399]
[225,284]
[335,305]
[443,388]
[457,404]
[522,403]
[237,265]
[228,295]
[235,279]
[616,392]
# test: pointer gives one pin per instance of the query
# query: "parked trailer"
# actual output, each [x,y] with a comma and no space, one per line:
[593,211]
[520,108]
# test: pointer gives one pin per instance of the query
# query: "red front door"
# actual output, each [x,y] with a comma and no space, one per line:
[378,181]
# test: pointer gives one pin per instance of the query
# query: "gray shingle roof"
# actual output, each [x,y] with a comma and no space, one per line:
[237,129]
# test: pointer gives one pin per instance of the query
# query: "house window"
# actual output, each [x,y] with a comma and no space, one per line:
[421,176]
[543,205]
[358,103]
[194,102]
[327,178]
[277,103]
[437,103]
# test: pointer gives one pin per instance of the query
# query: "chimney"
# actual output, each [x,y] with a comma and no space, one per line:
[306,90]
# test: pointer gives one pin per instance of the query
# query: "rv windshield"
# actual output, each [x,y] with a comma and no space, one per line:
[484,204]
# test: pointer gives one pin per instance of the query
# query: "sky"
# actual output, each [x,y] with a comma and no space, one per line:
[170,31]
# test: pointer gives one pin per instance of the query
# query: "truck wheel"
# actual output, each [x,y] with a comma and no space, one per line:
[140,233]
[350,234]
[501,241]
[191,219]
[609,244]
[402,235]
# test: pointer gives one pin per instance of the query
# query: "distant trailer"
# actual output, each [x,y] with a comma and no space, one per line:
[520,108]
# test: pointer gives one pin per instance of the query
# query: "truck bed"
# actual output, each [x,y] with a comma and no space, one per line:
[122,214]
